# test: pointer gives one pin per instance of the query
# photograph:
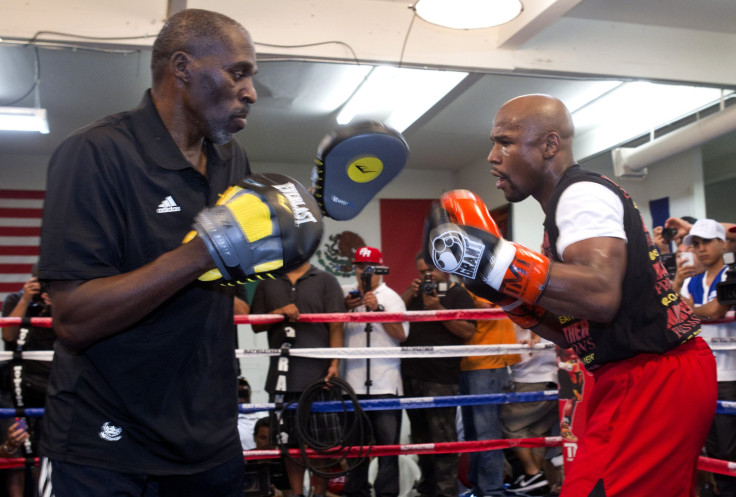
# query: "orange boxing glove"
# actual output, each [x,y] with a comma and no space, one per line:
[463,239]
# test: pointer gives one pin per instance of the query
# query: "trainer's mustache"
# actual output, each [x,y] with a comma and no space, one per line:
[243,113]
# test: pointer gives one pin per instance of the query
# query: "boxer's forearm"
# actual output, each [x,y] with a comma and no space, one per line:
[551,329]
[587,285]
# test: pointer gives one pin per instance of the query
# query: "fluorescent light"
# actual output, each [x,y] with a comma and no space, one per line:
[398,96]
[633,109]
[468,14]
[23,119]
[336,91]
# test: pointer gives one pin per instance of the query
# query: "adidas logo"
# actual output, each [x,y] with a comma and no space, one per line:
[168,205]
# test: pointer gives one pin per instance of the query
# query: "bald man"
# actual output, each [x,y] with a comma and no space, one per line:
[600,289]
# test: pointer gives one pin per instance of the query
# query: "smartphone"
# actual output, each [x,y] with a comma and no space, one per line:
[22,424]
[354,294]
[687,258]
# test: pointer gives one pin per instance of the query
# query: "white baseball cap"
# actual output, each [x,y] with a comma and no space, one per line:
[706,229]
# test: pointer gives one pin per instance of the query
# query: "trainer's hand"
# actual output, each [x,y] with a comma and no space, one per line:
[463,239]
[265,225]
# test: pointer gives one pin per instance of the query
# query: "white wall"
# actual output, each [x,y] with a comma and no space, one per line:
[680,178]
[23,172]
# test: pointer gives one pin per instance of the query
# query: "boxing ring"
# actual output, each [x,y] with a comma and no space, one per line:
[704,463]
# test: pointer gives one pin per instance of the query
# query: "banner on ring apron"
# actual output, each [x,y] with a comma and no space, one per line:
[575,384]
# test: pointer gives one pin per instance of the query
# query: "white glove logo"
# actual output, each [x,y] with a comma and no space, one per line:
[111,433]
[454,252]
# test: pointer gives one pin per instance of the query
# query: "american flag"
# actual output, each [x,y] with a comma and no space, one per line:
[20,231]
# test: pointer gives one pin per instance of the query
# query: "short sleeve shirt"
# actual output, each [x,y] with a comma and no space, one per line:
[385,372]
[160,397]
[316,291]
[445,370]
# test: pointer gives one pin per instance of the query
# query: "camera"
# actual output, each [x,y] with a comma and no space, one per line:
[726,290]
[669,233]
[429,286]
[365,278]
[670,264]
[37,298]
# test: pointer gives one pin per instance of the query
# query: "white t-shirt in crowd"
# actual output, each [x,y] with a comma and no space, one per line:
[539,366]
[725,359]
[385,372]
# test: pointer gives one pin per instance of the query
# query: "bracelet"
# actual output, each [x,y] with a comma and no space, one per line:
[7,450]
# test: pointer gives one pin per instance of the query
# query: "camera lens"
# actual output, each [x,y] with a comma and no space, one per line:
[669,233]
[429,287]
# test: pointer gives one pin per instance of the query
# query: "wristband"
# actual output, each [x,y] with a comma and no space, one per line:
[7,450]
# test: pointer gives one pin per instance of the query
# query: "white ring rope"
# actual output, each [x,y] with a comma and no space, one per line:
[393,352]
[716,343]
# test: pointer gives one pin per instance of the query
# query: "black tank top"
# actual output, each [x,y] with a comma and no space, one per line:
[651,318]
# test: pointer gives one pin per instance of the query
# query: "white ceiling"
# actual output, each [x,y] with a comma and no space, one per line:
[560,47]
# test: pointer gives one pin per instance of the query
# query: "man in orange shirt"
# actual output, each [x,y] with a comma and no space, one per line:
[483,375]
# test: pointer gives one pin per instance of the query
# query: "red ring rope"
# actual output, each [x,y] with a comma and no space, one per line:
[352,317]
[334,317]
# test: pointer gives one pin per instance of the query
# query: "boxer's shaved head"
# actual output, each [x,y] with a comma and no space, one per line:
[532,146]
[537,115]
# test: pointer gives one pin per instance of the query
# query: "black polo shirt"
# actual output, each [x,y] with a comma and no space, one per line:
[159,398]
[316,291]
[444,370]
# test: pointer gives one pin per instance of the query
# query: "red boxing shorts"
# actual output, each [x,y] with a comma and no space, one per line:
[647,420]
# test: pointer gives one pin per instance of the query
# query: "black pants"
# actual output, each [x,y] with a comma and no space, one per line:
[386,425]
[76,480]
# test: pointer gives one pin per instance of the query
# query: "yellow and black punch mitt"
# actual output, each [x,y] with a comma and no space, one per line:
[266,224]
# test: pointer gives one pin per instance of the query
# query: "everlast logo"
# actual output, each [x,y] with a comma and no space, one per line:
[17,384]
[302,214]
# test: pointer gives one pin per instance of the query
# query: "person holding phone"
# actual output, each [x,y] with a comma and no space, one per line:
[687,265]
[16,437]
[31,302]
[375,378]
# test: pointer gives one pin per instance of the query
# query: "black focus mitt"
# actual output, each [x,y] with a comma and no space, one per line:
[352,165]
